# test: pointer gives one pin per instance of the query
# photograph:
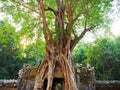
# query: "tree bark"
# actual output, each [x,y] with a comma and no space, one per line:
[56,52]
[49,65]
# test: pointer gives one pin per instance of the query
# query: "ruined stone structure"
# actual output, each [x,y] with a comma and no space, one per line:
[26,78]
[108,85]
[100,85]
[8,85]
[85,78]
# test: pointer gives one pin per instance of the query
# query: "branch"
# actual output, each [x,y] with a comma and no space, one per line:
[28,7]
[69,25]
[86,14]
[50,9]
[58,3]
[78,16]
[45,26]
[75,5]
[69,17]
[77,39]
[81,12]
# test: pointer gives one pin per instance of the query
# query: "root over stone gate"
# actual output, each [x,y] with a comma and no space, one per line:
[85,78]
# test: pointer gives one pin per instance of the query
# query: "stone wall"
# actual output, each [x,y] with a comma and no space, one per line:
[8,85]
[26,78]
[108,85]
[85,77]
[100,85]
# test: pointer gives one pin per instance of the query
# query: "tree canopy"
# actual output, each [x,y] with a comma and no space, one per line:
[79,18]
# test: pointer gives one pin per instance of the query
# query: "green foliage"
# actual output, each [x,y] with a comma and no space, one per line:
[34,52]
[10,62]
[12,53]
[78,54]
[22,13]
[96,16]
[103,54]
[91,12]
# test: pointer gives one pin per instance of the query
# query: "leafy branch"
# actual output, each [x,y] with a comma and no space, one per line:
[83,12]
[26,6]
[48,35]
[77,39]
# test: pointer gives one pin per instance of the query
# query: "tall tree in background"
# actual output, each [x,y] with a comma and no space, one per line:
[64,23]
[10,56]
[102,55]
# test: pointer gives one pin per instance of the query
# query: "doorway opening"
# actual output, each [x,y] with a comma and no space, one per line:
[45,84]
[57,84]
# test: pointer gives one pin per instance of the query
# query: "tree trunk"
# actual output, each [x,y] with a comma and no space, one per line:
[47,70]
[57,53]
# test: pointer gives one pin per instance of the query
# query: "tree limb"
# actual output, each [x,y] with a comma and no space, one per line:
[50,9]
[77,39]
[45,26]
[69,17]
[86,14]
[75,5]
[83,12]
[28,7]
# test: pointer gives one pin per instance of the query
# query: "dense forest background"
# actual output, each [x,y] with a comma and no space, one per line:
[102,53]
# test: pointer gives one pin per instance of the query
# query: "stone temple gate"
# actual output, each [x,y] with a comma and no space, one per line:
[85,78]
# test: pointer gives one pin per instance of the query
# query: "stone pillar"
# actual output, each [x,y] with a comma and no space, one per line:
[85,77]
[26,78]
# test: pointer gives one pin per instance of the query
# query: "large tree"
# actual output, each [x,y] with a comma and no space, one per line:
[63,23]
[10,56]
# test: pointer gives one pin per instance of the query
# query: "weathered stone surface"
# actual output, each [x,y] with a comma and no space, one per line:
[108,85]
[27,77]
[85,77]
[24,84]
[100,85]
[8,84]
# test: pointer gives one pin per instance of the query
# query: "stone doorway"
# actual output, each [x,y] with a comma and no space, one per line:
[57,84]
